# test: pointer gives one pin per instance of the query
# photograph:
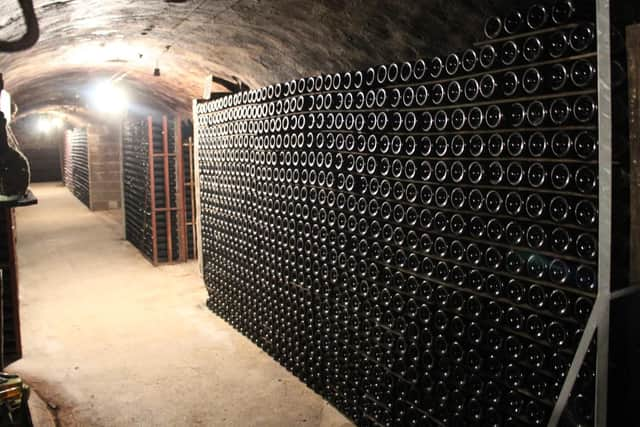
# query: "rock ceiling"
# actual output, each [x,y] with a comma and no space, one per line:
[256,41]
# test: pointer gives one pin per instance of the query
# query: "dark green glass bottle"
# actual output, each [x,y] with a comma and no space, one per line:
[14,168]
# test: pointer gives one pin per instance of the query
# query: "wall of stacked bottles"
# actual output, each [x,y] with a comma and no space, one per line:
[417,242]
[135,167]
[154,174]
[67,177]
[163,169]
[188,179]
[77,164]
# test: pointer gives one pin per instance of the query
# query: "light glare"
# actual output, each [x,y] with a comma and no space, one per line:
[56,122]
[44,125]
[108,98]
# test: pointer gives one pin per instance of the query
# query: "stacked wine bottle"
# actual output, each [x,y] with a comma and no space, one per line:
[188,190]
[135,178]
[77,167]
[137,181]
[417,242]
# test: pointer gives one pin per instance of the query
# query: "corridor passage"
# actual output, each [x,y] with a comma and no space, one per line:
[112,341]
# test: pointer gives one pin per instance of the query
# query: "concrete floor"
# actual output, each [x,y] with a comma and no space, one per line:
[110,340]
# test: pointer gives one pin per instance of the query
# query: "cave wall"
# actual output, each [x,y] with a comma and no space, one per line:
[258,42]
[41,149]
[104,143]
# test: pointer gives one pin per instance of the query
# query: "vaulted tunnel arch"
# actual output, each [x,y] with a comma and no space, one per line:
[257,42]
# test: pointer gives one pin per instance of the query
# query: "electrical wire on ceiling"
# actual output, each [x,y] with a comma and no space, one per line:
[32,33]
[239,85]
[178,24]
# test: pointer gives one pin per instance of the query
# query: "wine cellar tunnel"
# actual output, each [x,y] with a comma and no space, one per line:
[321,213]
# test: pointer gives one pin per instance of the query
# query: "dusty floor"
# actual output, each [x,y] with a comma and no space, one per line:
[112,341]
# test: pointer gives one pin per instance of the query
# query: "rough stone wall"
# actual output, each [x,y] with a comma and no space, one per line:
[104,166]
[42,150]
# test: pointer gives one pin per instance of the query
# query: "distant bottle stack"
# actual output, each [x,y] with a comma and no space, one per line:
[76,165]
[156,217]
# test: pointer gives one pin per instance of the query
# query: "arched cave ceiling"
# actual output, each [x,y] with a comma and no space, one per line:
[257,41]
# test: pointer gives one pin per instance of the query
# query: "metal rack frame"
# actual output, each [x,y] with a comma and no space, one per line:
[598,324]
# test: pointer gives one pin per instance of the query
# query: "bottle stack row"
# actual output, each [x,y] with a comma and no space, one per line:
[417,241]
[188,173]
[76,165]
[154,188]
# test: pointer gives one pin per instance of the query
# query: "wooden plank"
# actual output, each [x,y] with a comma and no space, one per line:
[180,197]
[152,185]
[166,209]
[633,55]
[192,223]
[167,190]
